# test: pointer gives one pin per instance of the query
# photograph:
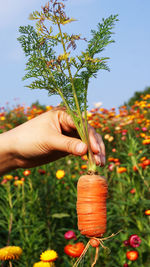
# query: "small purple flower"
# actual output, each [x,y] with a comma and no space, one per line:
[126,243]
[134,241]
[70,235]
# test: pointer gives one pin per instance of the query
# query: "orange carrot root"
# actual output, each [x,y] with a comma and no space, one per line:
[91,206]
[94,242]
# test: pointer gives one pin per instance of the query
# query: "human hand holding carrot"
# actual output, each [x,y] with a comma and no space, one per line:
[44,139]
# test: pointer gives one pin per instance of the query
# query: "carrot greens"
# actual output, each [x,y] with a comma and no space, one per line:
[52,65]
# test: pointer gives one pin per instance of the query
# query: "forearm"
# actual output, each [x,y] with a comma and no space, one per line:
[7,157]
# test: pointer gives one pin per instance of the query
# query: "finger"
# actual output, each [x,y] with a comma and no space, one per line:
[97,159]
[94,141]
[66,121]
[69,144]
[102,148]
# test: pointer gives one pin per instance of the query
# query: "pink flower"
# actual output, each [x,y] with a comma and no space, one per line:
[144,129]
[134,241]
[70,235]
[111,167]
[126,243]
[4,181]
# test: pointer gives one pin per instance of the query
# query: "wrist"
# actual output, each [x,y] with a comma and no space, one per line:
[8,159]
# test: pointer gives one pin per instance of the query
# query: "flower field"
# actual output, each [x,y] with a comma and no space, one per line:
[38,205]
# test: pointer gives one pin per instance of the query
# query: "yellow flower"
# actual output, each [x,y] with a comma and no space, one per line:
[43,264]
[18,182]
[49,255]
[143,158]
[146,142]
[84,157]
[60,174]
[142,135]
[106,136]
[10,253]
[2,118]
[49,107]
[8,177]
[111,138]
[63,56]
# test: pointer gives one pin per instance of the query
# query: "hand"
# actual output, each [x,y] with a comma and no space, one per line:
[49,137]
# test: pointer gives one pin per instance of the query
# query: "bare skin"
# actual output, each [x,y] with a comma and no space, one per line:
[44,139]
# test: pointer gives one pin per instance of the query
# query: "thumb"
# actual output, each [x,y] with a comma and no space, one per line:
[70,145]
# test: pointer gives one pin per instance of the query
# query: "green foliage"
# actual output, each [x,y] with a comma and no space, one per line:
[137,96]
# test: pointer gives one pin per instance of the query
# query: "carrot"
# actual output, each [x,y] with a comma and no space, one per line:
[91,206]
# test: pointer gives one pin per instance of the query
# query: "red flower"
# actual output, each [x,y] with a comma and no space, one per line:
[134,241]
[132,255]
[41,171]
[146,162]
[135,169]
[74,250]
[132,191]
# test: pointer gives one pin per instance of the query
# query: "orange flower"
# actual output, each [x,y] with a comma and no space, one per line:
[121,169]
[83,167]
[116,160]
[147,212]
[110,159]
[26,172]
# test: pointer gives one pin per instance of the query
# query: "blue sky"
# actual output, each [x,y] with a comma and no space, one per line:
[129,55]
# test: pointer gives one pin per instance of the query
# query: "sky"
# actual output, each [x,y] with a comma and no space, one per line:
[129,61]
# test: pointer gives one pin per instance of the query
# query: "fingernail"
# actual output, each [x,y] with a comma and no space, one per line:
[98,161]
[80,147]
[97,146]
